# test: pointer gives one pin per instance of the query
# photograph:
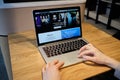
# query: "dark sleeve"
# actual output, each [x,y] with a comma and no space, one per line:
[117,72]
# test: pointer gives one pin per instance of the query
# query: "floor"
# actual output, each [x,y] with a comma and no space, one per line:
[104,18]
[101,26]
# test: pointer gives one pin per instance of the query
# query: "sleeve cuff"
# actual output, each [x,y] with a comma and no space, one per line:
[117,72]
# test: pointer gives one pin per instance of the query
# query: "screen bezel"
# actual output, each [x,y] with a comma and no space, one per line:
[53,9]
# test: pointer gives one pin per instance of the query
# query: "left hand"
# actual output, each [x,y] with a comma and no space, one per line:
[51,70]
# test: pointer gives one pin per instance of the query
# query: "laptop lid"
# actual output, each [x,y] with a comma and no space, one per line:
[57,24]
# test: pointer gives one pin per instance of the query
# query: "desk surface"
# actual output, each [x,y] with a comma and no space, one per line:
[27,61]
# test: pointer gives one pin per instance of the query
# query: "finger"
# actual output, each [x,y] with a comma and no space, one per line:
[43,69]
[59,65]
[47,65]
[87,46]
[86,52]
[89,58]
[54,62]
[82,49]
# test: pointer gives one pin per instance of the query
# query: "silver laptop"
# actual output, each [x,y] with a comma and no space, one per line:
[59,34]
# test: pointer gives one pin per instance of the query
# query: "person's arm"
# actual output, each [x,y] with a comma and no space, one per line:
[115,65]
[89,52]
[117,72]
[51,70]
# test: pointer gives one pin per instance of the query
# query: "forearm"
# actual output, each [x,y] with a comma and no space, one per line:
[115,65]
[112,63]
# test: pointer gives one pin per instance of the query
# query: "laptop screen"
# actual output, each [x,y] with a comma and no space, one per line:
[57,24]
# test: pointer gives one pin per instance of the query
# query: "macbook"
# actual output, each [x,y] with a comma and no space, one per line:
[59,34]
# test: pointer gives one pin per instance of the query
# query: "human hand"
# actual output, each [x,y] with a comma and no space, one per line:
[89,52]
[51,70]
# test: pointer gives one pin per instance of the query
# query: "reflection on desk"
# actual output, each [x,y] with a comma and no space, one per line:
[27,61]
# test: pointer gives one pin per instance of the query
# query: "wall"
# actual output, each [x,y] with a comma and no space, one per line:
[38,3]
[21,19]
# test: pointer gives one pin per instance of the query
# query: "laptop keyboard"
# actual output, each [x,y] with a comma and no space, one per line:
[64,47]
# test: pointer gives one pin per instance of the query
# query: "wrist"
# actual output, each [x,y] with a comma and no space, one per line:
[112,63]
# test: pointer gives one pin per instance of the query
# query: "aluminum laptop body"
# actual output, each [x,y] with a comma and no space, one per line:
[59,28]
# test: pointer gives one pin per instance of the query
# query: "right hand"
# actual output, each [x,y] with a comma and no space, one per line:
[89,52]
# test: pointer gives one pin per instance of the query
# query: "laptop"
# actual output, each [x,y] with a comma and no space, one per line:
[59,34]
